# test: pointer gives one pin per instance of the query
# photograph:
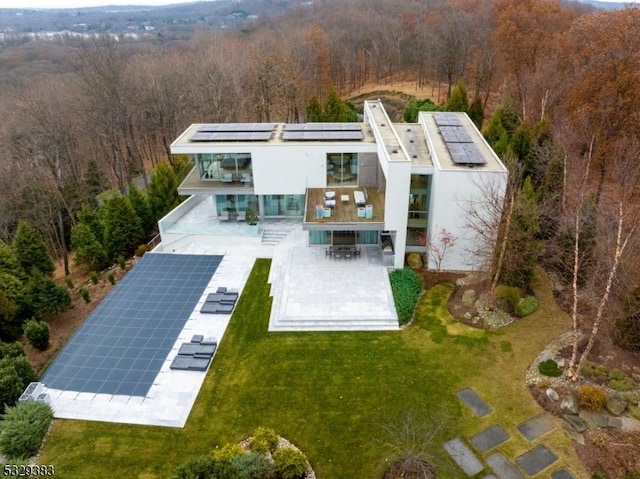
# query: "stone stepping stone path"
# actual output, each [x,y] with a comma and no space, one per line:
[474,402]
[502,467]
[463,456]
[489,438]
[535,460]
[562,474]
[536,426]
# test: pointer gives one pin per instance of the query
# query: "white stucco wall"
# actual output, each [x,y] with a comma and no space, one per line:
[453,191]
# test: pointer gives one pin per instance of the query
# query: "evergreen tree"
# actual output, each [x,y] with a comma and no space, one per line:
[458,100]
[8,261]
[335,110]
[141,207]
[47,297]
[412,109]
[162,192]
[92,217]
[31,251]
[522,257]
[93,182]
[314,110]
[122,230]
[476,112]
[88,250]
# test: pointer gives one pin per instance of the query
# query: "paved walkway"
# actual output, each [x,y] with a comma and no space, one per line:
[486,441]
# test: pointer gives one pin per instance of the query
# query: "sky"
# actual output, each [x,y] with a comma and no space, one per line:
[83,3]
[96,3]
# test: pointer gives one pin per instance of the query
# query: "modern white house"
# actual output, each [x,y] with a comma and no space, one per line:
[372,183]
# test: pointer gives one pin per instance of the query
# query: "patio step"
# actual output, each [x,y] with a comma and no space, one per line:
[273,236]
[309,324]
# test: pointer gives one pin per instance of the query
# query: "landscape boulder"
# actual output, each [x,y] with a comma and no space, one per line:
[469,297]
[616,405]
[552,394]
[569,404]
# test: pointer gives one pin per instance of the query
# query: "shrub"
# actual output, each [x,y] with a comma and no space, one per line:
[289,463]
[37,333]
[11,350]
[228,451]
[84,294]
[549,368]
[198,467]
[15,374]
[121,262]
[510,294]
[625,384]
[111,278]
[592,397]
[264,437]
[69,282]
[254,466]
[526,306]
[635,412]
[142,249]
[617,374]
[594,370]
[93,276]
[24,428]
[406,286]
[626,332]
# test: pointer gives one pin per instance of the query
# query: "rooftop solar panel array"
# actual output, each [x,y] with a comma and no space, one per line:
[211,127]
[232,136]
[233,132]
[121,347]
[322,132]
[462,149]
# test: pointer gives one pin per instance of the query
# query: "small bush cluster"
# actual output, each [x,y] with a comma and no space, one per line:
[619,381]
[510,294]
[23,429]
[93,276]
[141,250]
[592,397]
[406,286]
[594,370]
[69,282]
[289,463]
[526,306]
[15,373]
[550,368]
[121,262]
[84,294]
[263,460]
[111,278]
[37,333]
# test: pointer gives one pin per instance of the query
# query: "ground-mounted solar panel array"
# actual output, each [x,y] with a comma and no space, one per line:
[322,132]
[121,347]
[462,149]
[221,132]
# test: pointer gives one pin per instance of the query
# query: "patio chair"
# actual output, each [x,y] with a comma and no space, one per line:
[347,255]
[224,215]
[337,255]
[227,178]
[242,216]
[328,252]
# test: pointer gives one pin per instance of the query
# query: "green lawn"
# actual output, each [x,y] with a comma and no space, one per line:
[329,393]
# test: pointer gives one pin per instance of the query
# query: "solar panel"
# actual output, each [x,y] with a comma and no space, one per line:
[216,127]
[319,126]
[465,154]
[447,119]
[348,135]
[123,344]
[455,134]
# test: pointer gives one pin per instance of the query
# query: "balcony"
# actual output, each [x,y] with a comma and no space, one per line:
[344,208]
[240,182]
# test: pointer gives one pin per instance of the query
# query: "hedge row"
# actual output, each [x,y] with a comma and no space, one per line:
[406,286]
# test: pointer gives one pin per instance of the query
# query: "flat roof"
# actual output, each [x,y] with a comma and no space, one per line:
[440,153]
[184,142]
[415,142]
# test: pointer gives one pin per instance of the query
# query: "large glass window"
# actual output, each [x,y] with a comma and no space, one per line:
[342,169]
[343,237]
[283,205]
[225,167]
[235,203]
[418,210]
